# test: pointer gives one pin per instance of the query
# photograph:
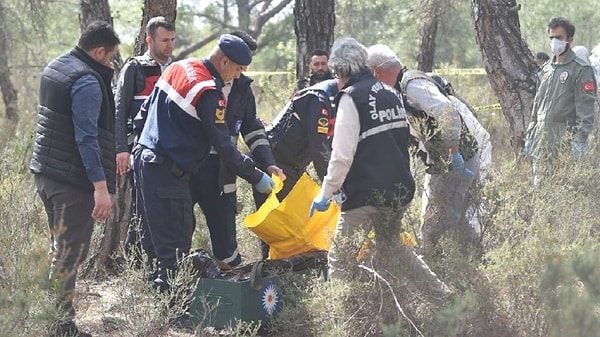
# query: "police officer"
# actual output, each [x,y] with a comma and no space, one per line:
[370,157]
[370,160]
[136,82]
[185,116]
[301,134]
[564,106]
[214,187]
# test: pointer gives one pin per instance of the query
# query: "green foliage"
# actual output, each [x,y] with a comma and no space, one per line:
[571,293]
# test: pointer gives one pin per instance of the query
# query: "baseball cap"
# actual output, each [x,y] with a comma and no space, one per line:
[235,49]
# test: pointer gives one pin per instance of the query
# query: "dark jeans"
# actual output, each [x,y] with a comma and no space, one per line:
[292,175]
[167,208]
[69,210]
[219,210]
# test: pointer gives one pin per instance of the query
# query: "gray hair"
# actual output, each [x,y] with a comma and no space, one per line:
[382,56]
[348,57]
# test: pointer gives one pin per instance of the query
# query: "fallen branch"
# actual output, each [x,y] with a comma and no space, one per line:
[377,275]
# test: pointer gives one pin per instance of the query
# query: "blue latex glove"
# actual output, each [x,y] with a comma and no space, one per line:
[458,165]
[265,185]
[320,203]
[527,148]
[578,149]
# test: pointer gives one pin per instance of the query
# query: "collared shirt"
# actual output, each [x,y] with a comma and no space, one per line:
[87,101]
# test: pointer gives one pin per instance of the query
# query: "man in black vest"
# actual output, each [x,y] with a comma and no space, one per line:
[74,156]
[371,163]
[136,82]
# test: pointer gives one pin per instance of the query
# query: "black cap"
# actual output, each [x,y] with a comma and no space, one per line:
[235,49]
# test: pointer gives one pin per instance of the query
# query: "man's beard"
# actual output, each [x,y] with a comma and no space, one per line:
[321,75]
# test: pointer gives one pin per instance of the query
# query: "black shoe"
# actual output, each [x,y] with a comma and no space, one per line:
[68,329]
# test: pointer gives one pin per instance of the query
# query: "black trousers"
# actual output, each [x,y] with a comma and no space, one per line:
[219,210]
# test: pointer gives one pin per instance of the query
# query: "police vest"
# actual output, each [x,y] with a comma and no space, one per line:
[380,173]
[172,127]
[151,74]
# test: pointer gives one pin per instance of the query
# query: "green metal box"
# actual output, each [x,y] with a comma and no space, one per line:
[254,294]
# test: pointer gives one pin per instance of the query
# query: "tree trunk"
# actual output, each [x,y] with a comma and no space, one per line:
[508,62]
[428,35]
[101,256]
[314,23]
[9,93]
[152,8]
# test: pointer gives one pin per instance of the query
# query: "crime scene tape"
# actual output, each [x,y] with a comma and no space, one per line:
[258,73]
[488,107]
[441,71]
[445,71]
[453,71]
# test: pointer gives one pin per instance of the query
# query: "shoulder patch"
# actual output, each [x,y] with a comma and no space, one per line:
[323,125]
[589,86]
[220,116]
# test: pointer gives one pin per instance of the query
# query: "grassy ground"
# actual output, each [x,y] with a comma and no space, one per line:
[533,273]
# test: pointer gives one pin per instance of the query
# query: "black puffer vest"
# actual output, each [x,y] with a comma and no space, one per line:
[55,152]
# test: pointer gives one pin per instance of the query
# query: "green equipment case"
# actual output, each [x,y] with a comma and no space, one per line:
[255,292]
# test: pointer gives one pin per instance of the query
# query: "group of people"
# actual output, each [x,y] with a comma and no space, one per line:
[359,118]
[170,119]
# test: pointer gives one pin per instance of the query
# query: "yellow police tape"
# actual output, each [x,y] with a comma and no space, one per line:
[488,107]
[440,71]
[458,71]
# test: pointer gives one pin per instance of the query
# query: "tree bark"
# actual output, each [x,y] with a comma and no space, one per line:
[508,62]
[314,23]
[9,93]
[152,8]
[101,257]
[428,35]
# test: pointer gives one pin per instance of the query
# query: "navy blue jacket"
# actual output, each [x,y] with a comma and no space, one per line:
[241,119]
[184,131]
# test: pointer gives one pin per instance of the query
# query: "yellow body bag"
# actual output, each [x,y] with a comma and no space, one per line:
[286,226]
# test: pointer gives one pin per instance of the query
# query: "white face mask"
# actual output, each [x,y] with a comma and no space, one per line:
[558,46]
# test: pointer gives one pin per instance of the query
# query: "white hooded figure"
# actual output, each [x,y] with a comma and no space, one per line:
[582,52]
[595,62]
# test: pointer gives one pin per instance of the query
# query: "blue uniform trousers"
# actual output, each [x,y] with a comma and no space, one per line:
[219,210]
[167,208]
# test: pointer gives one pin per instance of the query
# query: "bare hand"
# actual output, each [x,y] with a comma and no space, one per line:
[122,162]
[276,171]
[102,202]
